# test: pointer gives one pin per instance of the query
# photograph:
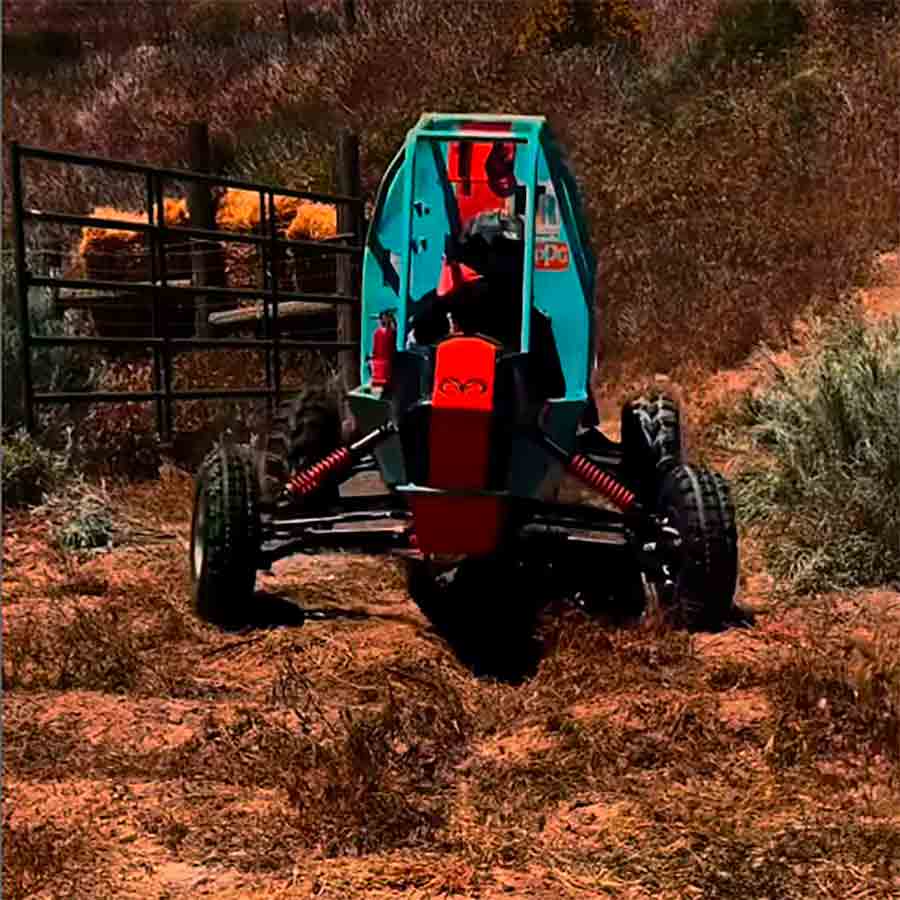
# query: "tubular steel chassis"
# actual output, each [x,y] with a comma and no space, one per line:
[383,523]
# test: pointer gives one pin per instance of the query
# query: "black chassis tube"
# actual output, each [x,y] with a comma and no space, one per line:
[383,522]
[535,522]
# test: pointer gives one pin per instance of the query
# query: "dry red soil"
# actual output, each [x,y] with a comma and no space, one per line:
[342,748]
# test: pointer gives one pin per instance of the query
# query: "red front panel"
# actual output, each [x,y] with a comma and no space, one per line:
[461,416]
[460,452]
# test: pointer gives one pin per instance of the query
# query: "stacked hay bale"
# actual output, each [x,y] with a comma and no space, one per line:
[316,272]
[239,211]
[111,254]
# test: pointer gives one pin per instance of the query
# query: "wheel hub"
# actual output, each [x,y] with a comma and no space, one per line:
[198,537]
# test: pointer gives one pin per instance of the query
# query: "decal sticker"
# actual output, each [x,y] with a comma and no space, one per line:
[451,386]
[551,255]
[548,222]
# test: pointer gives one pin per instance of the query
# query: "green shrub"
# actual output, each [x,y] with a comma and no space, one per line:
[829,496]
[219,22]
[29,471]
[82,517]
[868,9]
[311,23]
[287,149]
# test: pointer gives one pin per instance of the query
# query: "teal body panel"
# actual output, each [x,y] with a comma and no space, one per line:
[415,209]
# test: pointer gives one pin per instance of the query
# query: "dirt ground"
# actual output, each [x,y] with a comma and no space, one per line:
[340,746]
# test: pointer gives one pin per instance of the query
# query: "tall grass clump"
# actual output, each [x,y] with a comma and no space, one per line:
[52,368]
[29,471]
[828,495]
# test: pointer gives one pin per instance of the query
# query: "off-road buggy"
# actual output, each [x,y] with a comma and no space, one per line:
[477,354]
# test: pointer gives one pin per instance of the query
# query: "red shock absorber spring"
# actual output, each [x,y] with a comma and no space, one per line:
[313,476]
[616,493]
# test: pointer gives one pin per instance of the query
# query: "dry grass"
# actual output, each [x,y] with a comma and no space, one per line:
[753,763]
[96,648]
[41,859]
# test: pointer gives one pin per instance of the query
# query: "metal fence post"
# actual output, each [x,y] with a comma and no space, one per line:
[265,258]
[288,30]
[161,228]
[155,251]
[207,258]
[23,277]
[349,10]
[275,331]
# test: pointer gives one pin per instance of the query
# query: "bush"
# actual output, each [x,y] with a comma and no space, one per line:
[37,51]
[88,521]
[828,496]
[288,149]
[220,22]
[29,471]
[752,29]
[868,9]
[52,368]
[554,25]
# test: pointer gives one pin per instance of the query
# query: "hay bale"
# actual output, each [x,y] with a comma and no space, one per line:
[238,211]
[313,221]
[316,273]
[111,254]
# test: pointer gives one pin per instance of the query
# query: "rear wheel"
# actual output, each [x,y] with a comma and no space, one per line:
[652,442]
[699,592]
[304,429]
[486,609]
[225,536]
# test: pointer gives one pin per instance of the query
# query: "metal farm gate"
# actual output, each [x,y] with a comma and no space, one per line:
[176,283]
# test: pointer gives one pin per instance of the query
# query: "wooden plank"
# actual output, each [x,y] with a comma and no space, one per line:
[71,295]
[291,309]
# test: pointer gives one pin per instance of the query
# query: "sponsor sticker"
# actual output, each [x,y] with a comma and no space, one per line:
[548,223]
[551,255]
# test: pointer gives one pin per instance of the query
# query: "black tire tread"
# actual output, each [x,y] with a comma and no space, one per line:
[730,533]
[233,534]
[304,429]
[652,441]
[705,586]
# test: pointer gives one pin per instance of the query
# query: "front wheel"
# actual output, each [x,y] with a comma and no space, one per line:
[225,536]
[700,589]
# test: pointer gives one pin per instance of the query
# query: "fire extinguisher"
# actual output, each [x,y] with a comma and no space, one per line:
[383,343]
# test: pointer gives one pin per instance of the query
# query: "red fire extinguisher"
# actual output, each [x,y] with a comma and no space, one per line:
[383,343]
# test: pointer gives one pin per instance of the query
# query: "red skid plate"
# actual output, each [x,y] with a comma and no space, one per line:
[451,525]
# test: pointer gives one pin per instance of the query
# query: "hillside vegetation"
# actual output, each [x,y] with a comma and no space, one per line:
[738,159]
